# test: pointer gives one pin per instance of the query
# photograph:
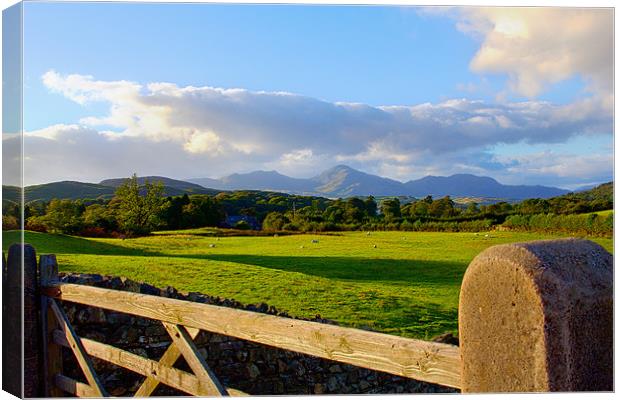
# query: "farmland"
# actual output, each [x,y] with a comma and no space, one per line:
[403,283]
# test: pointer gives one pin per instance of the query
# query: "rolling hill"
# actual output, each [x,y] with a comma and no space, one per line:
[103,190]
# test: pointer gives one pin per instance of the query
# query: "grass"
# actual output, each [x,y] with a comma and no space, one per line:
[407,285]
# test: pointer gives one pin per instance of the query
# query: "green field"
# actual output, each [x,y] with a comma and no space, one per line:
[407,285]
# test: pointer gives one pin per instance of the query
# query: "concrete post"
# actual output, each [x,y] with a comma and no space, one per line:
[537,317]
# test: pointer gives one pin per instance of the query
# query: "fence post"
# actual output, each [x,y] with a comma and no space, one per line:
[22,321]
[51,362]
[538,316]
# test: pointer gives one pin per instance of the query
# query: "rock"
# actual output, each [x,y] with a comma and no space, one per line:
[155,330]
[447,338]
[332,384]
[203,352]
[97,316]
[335,369]
[118,391]
[129,285]
[145,288]
[253,371]
[319,388]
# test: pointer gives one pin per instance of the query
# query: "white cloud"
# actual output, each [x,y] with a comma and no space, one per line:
[539,46]
[162,128]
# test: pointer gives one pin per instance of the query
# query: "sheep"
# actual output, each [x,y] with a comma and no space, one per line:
[374,246]
[212,245]
[315,241]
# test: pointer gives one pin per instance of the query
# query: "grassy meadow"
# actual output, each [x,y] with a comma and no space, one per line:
[402,283]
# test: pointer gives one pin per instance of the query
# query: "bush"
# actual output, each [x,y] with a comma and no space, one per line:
[9,223]
[242,225]
[588,224]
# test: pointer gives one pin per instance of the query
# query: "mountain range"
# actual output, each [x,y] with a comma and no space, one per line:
[339,181]
[344,181]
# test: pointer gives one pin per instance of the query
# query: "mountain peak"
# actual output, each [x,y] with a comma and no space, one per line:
[344,181]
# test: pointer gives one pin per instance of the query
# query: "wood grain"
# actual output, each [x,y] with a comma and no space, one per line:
[74,387]
[171,355]
[51,352]
[417,359]
[195,360]
[75,344]
[181,380]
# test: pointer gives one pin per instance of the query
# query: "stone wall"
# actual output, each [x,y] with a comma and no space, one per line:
[252,368]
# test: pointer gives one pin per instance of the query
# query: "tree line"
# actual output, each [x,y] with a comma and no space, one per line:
[139,209]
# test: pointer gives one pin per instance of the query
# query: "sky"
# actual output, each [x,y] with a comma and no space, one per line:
[524,95]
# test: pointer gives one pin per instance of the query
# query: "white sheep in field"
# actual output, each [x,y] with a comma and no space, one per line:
[315,241]
[212,245]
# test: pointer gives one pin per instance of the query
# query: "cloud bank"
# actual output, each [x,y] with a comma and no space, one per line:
[162,128]
[540,46]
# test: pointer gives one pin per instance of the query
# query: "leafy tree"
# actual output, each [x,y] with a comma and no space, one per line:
[100,216]
[63,216]
[275,221]
[371,206]
[138,207]
[390,208]
[472,209]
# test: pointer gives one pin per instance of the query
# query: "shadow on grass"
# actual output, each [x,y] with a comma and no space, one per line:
[45,243]
[353,268]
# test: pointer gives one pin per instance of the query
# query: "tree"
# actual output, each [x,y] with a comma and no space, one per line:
[62,216]
[390,208]
[275,221]
[99,216]
[472,209]
[138,207]
[371,206]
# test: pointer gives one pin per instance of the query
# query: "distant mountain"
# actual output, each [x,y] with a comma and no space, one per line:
[344,181]
[467,185]
[257,180]
[167,182]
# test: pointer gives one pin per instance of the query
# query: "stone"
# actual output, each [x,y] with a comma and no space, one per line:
[335,369]
[253,371]
[447,338]
[96,316]
[332,384]
[537,317]
[145,288]
[319,388]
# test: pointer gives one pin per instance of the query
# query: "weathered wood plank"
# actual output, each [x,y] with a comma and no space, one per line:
[426,361]
[12,323]
[173,377]
[196,361]
[33,385]
[74,387]
[51,353]
[75,344]
[171,355]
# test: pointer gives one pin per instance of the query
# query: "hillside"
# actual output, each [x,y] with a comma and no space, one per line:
[104,190]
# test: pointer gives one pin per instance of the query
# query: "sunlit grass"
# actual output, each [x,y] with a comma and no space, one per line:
[404,283]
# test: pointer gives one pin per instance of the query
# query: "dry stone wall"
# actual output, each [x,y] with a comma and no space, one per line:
[250,367]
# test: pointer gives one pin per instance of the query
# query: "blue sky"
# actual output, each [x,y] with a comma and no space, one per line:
[100,58]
